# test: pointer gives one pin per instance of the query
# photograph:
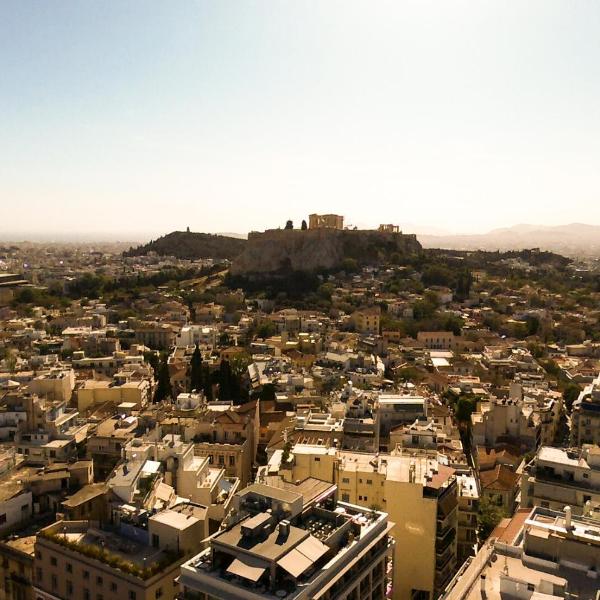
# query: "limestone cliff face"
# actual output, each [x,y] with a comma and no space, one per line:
[313,249]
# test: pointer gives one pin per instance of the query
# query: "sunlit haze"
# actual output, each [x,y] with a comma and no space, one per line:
[124,118]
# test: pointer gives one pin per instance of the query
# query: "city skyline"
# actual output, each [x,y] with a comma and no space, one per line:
[129,120]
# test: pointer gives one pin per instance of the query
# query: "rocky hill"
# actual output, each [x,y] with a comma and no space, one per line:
[190,245]
[280,250]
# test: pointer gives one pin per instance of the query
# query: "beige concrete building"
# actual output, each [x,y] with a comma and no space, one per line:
[419,493]
[437,340]
[536,555]
[77,558]
[585,416]
[506,421]
[16,567]
[56,384]
[367,320]
[278,545]
[558,477]
[94,392]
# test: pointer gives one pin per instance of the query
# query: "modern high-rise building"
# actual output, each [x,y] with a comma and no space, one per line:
[279,546]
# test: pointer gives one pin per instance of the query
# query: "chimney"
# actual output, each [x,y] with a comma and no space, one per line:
[284,528]
[567,517]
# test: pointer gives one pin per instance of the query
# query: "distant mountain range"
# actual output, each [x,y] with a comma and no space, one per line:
[575,239]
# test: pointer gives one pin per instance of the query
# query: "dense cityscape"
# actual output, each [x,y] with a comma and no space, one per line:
[316,411]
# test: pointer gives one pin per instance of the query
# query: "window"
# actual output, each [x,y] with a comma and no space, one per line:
[99,580]
[317,459]
[211,459]
[53,561]
[369,482]
[38,574]
[86,574]
[221,460]
[54,581]
[232,461]
[25,508]
[113,587]
[360,481]
[158,593]
[345,480]
[345,497]
[38,554]
[86,594]
[155,540]
[69,588]
[2,518]
[69,568]
[132,595]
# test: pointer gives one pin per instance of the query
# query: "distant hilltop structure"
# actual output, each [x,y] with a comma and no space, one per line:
[324,245]
[389,229]
[325,221]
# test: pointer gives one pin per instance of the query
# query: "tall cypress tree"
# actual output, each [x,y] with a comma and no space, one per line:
[225,381]
[207,382]
[163,387]
[196,382]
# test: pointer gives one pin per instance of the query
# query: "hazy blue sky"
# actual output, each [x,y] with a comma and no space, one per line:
[147,116]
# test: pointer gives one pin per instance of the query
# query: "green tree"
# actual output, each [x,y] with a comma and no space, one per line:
[570,394]
[152,359]
[267,393]
[207,382]
[163,386]
[289,224]
[226,384]
[463,409]
[196,382]
[489,516]
[304,226]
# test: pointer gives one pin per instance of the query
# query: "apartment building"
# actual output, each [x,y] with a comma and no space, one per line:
[398,409]
[156,472]
[105,444]
[137,392]
[506,421]
[277,546]
[367,320]
[419,494]
[226,435]
[437,340]
[80,559]
[538,554]
[16,567]
[159,336]
[559,477]
[585,416]
[468,510]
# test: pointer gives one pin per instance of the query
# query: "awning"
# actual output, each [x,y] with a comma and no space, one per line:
[312,548]
[303,556]
[245,570]
[294,563]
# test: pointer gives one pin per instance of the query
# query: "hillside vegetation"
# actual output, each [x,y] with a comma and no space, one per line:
[190,245]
